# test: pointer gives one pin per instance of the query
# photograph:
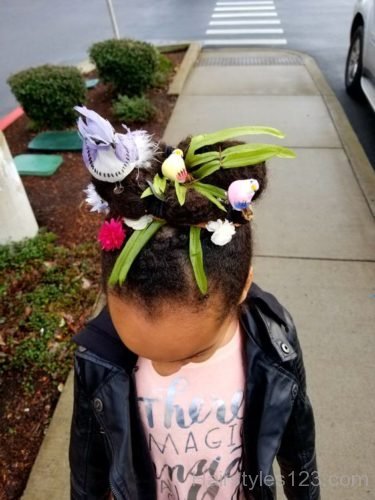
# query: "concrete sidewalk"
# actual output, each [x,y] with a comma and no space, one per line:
[314,245]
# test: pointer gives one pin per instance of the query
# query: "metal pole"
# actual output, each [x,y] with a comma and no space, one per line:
[113,19]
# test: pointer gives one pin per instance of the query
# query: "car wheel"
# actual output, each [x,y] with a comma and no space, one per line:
[353,70]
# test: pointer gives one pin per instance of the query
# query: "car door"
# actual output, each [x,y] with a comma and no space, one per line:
[369,43]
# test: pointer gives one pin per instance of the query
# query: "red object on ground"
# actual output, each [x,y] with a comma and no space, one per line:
[8,119]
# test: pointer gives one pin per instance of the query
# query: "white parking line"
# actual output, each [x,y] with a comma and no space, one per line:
[254,7]
[247,41]
[245,14]
[249,31]
[245,22]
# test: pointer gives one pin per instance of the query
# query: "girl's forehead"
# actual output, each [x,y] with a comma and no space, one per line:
[174,334]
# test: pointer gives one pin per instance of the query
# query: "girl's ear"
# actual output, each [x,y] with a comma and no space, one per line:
[247,286]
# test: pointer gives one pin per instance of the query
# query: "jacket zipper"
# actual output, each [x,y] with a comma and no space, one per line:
[115,492]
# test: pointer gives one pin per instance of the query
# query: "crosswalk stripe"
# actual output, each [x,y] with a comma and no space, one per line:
[241,8]
[244,22]
[266,2]
[249,31]
[246,41]
[245,14]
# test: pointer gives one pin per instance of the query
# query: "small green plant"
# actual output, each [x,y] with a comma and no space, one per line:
[48,93]
[45,289]
[129,65]
[163,70]
[133,109]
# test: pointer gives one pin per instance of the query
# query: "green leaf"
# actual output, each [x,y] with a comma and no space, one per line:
[207,169]
[203,158]
[202,140]
[134,245]
[159,183]
[196,258]
[214,190]
[262,153]
[209,196]
[147,192]
[158,194]
[180,192]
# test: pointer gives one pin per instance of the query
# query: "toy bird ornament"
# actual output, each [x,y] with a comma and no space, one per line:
[174,167]
[110,156]
[240,195]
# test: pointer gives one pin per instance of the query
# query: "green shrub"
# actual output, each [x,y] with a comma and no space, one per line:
[48,93]
[129,65]
[163,70]
[133,109]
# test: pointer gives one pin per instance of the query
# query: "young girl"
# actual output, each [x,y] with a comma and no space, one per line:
[190,381]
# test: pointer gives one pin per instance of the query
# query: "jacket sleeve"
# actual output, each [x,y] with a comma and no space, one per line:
[297,454]
[89,465]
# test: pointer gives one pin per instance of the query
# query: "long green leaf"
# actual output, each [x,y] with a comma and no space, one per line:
[209,196]
[203,158]
[134,245]
[180,192]
[251,148]
[210,188]
[196,258]
[236,160]
[202,140]
[207,169]
[252,152]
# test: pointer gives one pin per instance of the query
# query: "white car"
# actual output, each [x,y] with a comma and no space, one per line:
[360,62]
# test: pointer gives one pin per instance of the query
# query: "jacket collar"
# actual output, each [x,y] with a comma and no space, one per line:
[100,336]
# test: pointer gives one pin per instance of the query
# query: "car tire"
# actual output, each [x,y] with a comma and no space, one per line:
[354,65]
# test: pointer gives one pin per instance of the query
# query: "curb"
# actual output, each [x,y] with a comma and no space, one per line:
[188,62]
[359,162]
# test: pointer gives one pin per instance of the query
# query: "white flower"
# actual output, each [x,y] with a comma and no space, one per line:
[94,200]
[223,231]
[138,223]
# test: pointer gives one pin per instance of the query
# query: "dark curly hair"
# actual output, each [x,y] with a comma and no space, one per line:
[162,273]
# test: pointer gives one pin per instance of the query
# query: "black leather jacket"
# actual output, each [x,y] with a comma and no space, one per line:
[108,450]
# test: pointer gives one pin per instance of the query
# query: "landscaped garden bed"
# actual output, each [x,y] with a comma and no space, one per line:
[48,286]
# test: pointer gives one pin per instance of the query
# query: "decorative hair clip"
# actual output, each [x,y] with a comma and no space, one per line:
[110,157]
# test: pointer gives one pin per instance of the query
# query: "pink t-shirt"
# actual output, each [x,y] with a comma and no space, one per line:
[193,423]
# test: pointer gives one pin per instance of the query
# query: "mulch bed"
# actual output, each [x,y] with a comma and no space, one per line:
[58,204]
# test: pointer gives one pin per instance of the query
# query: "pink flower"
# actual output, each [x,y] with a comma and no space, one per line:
[111,234]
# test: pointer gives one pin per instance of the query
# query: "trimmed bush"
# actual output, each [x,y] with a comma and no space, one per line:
[133,109]
[163,70]
[48,93]
[129,65]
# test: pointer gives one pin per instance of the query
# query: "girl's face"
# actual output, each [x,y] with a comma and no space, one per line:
[174,337]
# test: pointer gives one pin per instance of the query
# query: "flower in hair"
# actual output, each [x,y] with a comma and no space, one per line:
[241,192]
[223,231]
[140,223]
[94,200]
[111,234]
[110,156]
